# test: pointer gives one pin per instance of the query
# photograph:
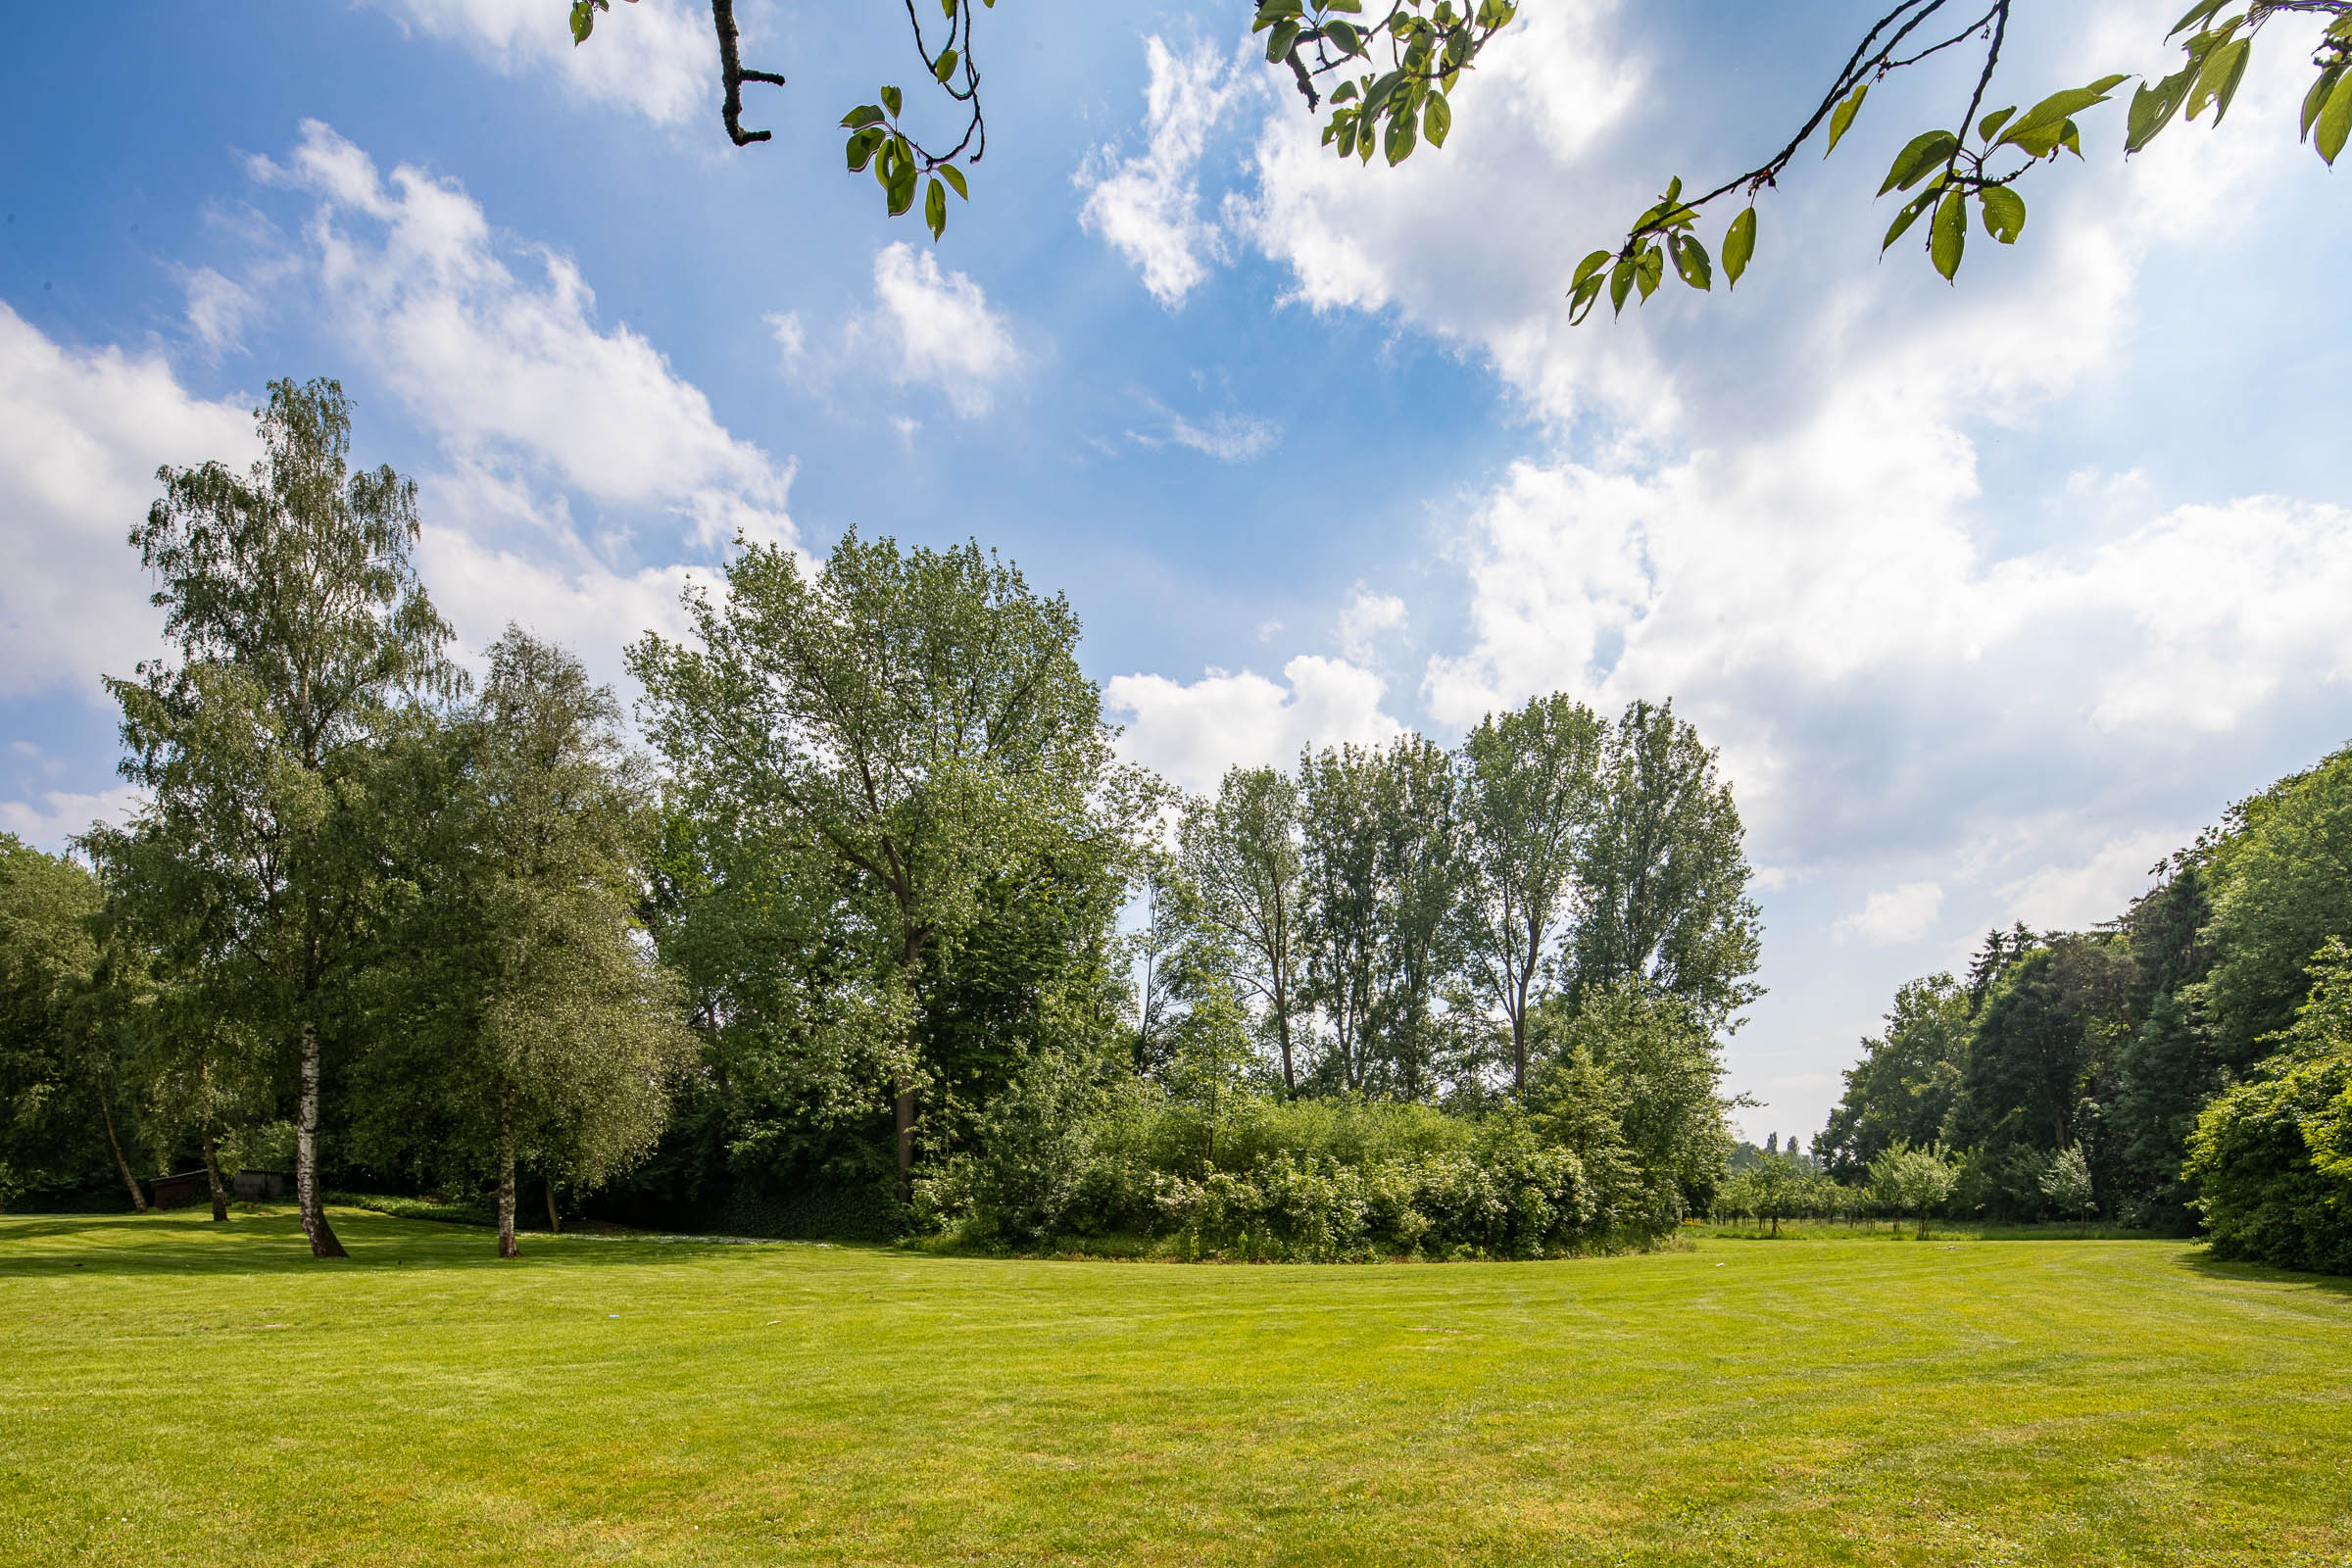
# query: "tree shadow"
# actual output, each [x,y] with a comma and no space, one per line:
[176,1242]
[2203,1261]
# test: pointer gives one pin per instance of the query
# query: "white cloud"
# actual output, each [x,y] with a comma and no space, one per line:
[1365,619]
[81,435]
[218,308]
[1473,241]
[792,339]
[1226,437]
[514,374]
[940,325]
[1898,915]
[58,816]
[2076,896]
[1193,732]
[1147,207]
[658,58]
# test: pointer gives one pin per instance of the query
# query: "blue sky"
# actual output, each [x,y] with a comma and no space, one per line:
[1990,596]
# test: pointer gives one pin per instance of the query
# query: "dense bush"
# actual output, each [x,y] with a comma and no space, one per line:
[1616,1123]
[2273,1156]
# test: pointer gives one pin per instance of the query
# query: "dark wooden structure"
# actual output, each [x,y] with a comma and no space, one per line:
[180,1192]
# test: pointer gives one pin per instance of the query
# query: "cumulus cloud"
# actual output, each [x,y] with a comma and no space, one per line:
[940,329]
[1897,916]
[51,819]
[81,435]
[656,58]
[1193,732]
[1367,617]
[1147,205]
[514,374]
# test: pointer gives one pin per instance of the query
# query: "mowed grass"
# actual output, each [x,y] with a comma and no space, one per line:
[176,1392]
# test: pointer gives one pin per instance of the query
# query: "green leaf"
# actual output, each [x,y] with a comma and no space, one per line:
[2217,84]
[1621,284]
[1649,271]
[1947,235]
[1739,245]
[935,207]
[583,20]
[1343,37]
[1921,155]
[861,117]
[2317,99]
[1348,138]
[1905,218]
[1396,144]
[1281,40]
[1691,262]
[2056,108]
[861,147]
[944,66]
[1839,119]
[1993,122]
[892,100]
[1581,298]
[1342,92]
[1437,119]
[2004,212]
[1588,267]
[948,6]
[955,176]
[2153,107]
[2328,133]
[2202,11]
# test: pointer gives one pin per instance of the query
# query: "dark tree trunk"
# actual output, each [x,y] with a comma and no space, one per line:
[211,1176]
[555,1221]
[903,1112]
[505,1182]
[138,1199]
[211,1152]
[307,1195]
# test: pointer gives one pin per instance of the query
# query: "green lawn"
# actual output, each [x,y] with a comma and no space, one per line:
[176,1392]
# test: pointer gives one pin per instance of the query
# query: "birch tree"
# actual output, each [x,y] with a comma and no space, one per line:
[298,628]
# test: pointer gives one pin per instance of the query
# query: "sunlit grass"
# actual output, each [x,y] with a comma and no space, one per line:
[175,1392]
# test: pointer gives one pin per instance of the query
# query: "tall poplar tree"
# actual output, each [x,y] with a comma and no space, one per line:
[1530,797]
[1239,850]
[299,623]
[1665,873]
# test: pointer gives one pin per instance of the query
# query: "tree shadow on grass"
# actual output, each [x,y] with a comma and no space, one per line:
[2201,1261]
[185,1242]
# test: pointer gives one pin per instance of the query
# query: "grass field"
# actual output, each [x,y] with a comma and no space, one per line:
[174,1392]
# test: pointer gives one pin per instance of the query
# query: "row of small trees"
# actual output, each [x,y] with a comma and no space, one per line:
[1901,1180]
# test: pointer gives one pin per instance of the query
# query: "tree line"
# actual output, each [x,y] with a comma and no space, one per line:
[875,935]
[2193,1057]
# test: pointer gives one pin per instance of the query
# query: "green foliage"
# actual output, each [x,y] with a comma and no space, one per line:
[1903,1086]
[301,628]
[53,1063]
[1941,170]
[2272,1156]
[1531,796]
[1913,1181]
[2281,885]
[1664,879]
[896,763]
